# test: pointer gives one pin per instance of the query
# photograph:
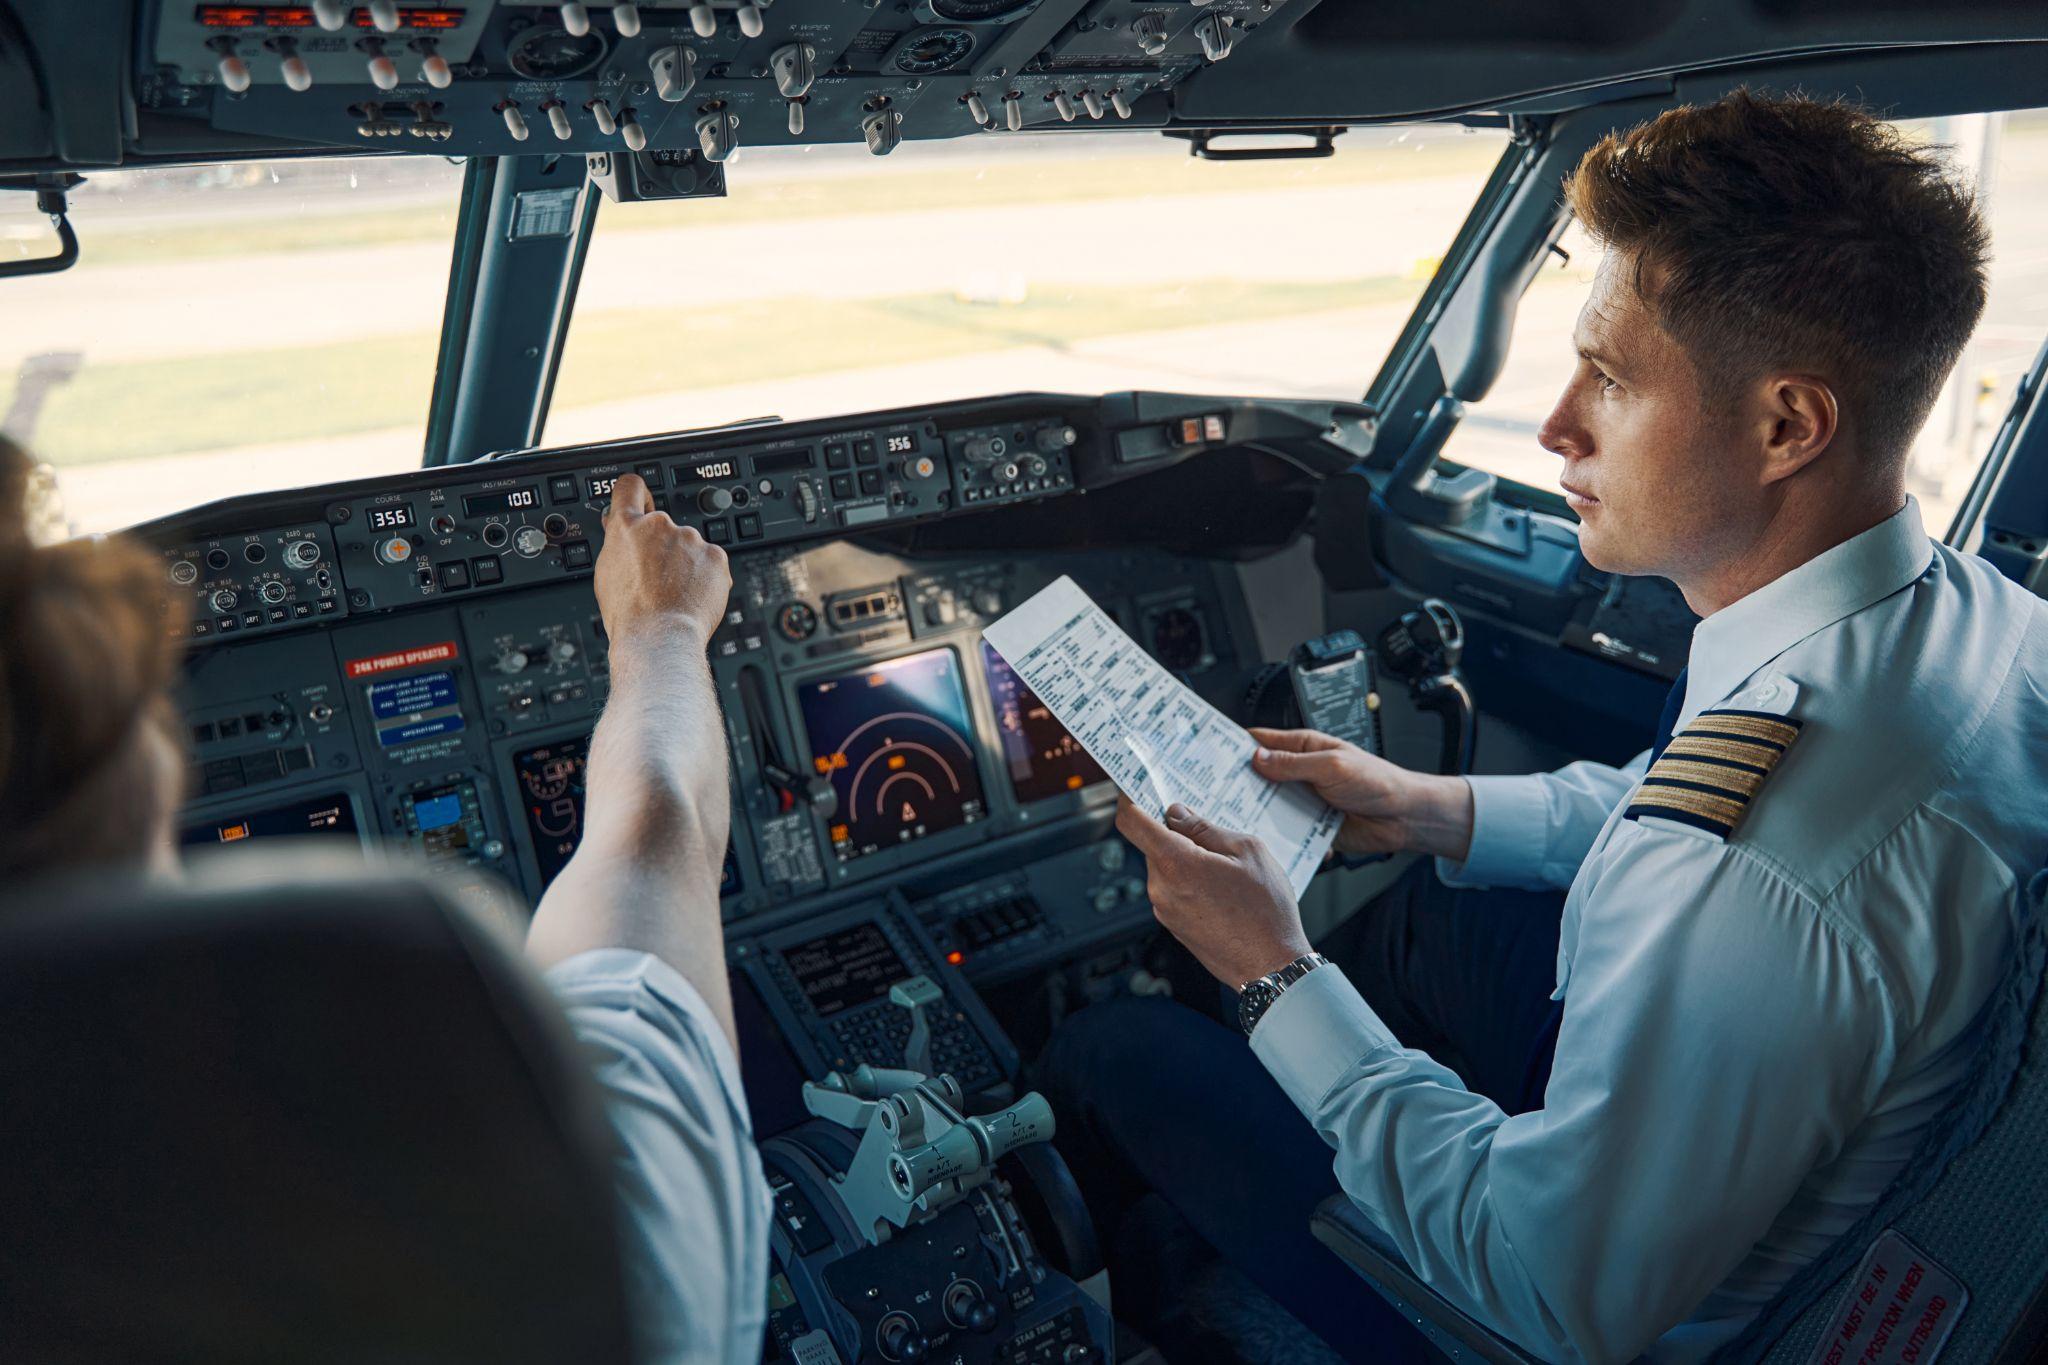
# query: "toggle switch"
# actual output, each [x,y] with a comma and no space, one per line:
[383,71]
[575,18]
[626,17]
[1092,102]
[515,122]
[601,115]
[234,72]
[703,19]
[977,108]
[1013,111]
[751,23]
[675,72]
[558,119]
[434,69]
[796,118]
[290,65]
[631,131]
[384,15]
[1063,106]
[331,15]
[1121,103]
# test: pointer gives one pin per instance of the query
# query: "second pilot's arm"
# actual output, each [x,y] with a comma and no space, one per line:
[630,936]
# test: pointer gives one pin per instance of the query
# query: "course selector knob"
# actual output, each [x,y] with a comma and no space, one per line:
[714,502]
[395,550]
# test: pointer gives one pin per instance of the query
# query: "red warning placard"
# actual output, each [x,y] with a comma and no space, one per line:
[401,658]
[1897,1309]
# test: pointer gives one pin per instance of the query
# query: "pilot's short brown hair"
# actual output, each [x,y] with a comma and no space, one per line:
[86,663]
[1781,232]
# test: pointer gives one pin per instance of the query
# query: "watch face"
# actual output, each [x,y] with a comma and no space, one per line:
[1258,995]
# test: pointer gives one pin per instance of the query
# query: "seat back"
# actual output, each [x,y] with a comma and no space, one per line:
[307,1119]
[1970,1210]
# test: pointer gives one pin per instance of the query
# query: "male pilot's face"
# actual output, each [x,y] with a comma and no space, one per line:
[1647,467]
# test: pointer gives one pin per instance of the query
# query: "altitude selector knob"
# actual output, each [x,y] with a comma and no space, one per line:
[714,502]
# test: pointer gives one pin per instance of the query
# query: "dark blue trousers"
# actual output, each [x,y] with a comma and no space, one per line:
[1153,1096]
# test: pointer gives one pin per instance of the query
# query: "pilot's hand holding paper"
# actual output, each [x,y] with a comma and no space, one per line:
[1220,892]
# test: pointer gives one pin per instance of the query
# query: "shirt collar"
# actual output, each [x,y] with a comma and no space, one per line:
[1747,634]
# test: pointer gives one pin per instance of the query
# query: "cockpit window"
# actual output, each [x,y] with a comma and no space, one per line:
[228,329]
[2005,154]
[833,281]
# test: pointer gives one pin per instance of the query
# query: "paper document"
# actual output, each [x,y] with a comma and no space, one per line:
[1160,741]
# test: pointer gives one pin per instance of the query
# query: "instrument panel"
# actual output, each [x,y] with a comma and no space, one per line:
[423,682]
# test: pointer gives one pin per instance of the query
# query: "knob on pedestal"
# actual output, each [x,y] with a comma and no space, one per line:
[900,1339]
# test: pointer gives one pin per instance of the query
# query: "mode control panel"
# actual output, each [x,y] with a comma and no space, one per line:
[254,582]
[510,525]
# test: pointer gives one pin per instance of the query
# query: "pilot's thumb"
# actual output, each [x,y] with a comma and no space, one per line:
[1281,766]
[1202,833]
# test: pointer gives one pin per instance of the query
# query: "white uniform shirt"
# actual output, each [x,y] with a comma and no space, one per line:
[1757,1030]
[693,1206]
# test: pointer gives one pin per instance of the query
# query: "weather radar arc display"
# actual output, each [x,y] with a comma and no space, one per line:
[894,740]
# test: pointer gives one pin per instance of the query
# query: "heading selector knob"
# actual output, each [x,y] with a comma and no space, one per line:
[714,501]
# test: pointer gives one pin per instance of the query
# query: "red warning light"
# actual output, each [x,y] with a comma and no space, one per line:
[956,957]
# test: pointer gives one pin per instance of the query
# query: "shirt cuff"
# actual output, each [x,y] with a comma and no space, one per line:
[1315,1033]
[1510,834]
[641,984]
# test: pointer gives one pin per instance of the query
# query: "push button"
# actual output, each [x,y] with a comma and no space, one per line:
[836,455]
[562,488]
[576,555]
[486,570]
[842,485]
[718,531]
[871,481]
[749,526]
[864,452]
[454,576]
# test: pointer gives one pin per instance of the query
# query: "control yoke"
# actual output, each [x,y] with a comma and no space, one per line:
[1422,649]
[919,1153]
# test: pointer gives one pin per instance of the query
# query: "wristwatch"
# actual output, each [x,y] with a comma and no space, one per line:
[1256,996]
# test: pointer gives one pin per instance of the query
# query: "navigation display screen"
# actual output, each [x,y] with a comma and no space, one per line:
[894,741]
[326,815]
[840,970]
[1043,759]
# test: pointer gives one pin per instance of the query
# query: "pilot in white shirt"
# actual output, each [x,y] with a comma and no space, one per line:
[1774,957]
[1781,924]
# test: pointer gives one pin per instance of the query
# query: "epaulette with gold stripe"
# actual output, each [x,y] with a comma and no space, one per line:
[1712,768]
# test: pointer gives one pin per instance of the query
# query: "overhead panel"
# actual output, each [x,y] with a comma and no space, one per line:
[707,77]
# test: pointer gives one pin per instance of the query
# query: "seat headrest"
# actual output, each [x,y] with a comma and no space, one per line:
[299,1118]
